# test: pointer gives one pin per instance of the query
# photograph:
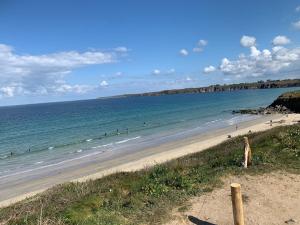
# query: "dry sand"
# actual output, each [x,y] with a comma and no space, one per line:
[270,199]
[142,159]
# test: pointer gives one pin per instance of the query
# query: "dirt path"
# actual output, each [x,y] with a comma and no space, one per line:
[271,199]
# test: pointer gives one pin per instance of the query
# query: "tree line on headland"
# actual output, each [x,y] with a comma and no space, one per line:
[226,87]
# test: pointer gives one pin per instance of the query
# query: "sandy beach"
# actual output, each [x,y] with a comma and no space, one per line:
[265,196]
[23,185]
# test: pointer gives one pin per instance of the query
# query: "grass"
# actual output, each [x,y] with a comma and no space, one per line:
[292,94]
[149,195]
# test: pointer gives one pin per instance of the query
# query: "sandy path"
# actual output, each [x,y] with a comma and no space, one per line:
[270,199]
[137,160]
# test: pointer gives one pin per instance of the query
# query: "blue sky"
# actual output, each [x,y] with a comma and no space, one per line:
[67,50]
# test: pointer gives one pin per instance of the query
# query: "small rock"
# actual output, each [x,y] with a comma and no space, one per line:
[290,221]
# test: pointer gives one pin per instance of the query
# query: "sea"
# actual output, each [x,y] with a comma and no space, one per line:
[44,135]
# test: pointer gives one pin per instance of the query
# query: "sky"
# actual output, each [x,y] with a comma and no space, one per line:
[62,50]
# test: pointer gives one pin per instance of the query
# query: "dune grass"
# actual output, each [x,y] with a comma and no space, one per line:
[149,195]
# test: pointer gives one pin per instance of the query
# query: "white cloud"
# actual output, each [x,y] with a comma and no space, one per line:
[156,72]
[7,91]
[297,9]
[103,83]
[261,63]
[277,48]
[202,42]
[248,41]
[200,45]
[121,49]
[161,72]
[171,71]
[281,40]
[188,79]
[266,53]
[209,69]
[45,74]
[118,73]
[254,51]
[296,25]
[183,52]
[197,49]
[80,89]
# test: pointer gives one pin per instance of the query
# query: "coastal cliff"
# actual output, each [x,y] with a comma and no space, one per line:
[226,87]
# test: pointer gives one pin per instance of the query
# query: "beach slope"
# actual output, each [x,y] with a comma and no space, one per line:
[21,186]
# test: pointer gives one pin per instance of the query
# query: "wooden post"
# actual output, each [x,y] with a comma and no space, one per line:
[237,204]
[248,153]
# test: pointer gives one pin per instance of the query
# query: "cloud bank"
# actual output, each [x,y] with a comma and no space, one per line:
[23,74]
[278,59]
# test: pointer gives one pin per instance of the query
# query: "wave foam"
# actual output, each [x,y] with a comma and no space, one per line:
[126,140]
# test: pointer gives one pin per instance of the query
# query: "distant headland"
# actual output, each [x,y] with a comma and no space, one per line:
[220,88]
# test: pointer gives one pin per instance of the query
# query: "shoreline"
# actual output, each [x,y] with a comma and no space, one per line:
[137,160]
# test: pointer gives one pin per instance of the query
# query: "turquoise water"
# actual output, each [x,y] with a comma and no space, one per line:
[38,135]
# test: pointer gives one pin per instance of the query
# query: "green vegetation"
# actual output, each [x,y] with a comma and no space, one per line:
[292,94]
[148,196]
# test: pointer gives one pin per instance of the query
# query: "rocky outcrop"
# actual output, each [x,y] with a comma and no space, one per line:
[286,103]
[289,100]
[264,111]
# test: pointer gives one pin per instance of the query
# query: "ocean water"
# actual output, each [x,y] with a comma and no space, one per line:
[42,135]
